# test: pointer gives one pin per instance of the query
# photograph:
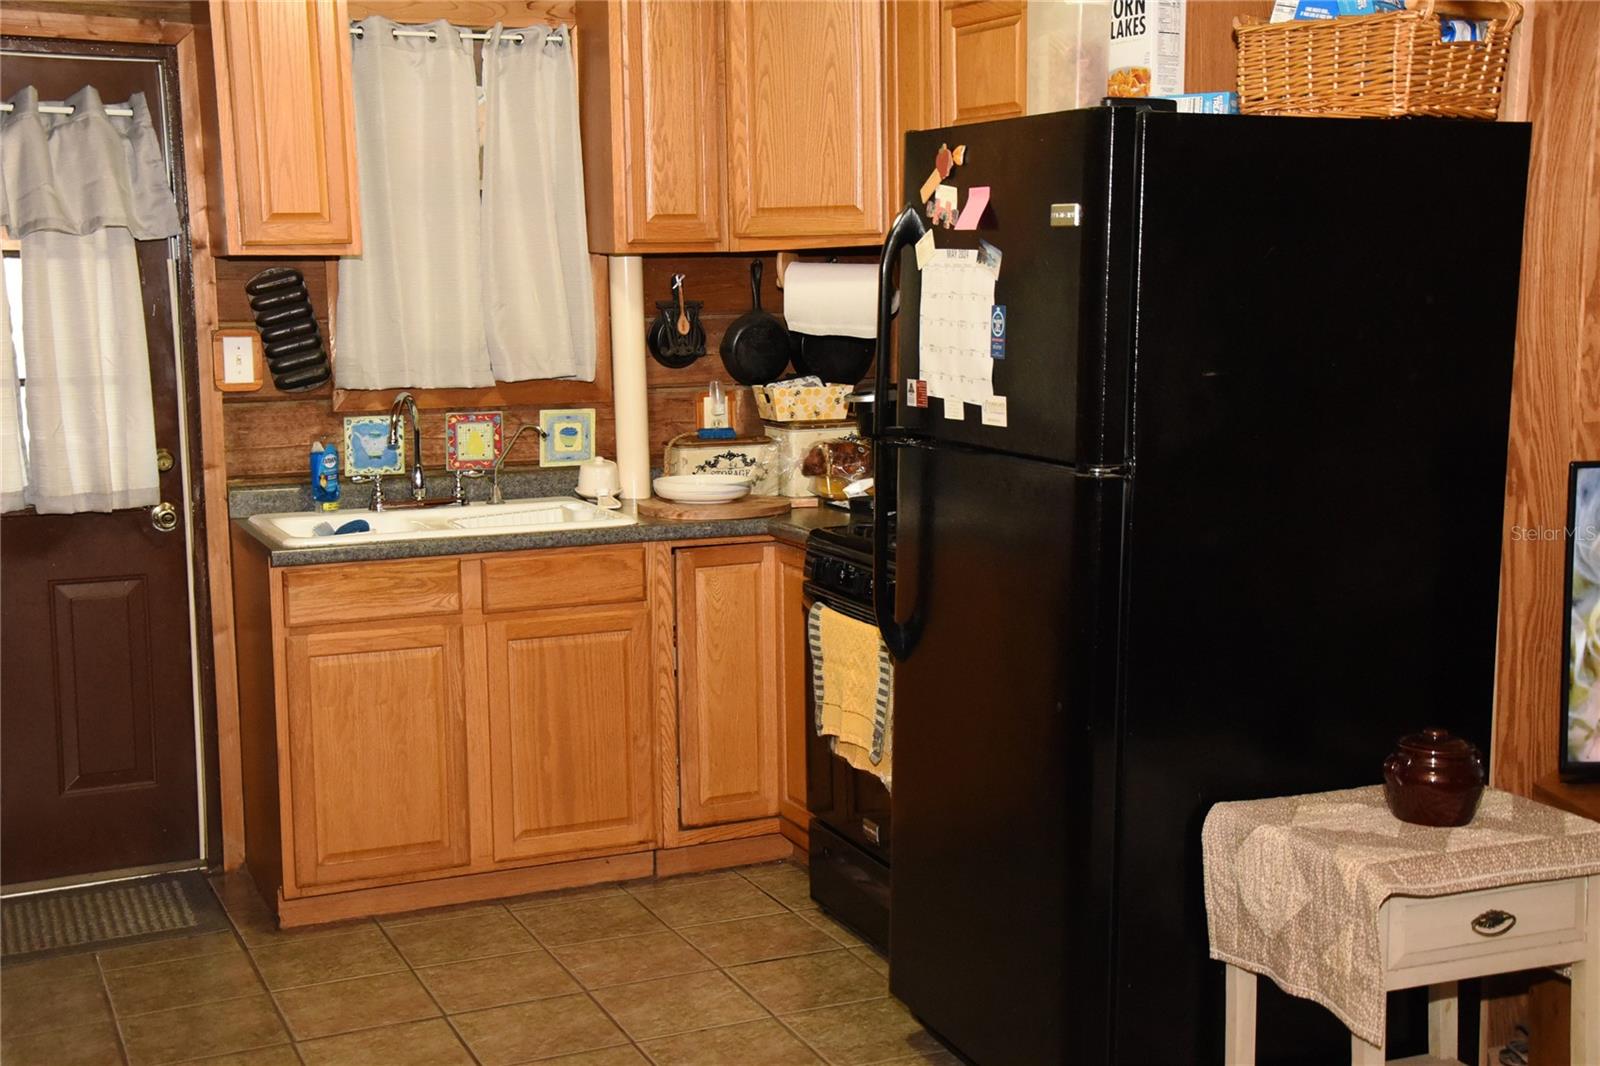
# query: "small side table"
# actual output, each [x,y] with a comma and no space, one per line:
[1339,902]
[1439,941]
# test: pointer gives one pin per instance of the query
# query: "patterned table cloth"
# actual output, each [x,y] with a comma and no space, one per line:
[1293,884]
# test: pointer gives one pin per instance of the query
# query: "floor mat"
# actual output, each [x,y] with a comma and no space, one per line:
[78,919]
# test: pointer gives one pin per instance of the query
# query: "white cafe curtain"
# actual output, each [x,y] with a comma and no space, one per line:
[13,451]
[538,293]
[410,306]
[78,190]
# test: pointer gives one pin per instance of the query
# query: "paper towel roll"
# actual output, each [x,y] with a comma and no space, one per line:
[831,299]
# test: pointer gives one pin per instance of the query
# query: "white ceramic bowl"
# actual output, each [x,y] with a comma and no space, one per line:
[702,488]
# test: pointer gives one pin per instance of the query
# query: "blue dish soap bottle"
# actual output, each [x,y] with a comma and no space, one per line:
[325,476]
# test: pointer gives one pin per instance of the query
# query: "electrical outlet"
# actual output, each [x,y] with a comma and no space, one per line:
[238,360]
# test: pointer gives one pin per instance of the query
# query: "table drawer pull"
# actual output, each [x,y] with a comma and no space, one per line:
[1494,923]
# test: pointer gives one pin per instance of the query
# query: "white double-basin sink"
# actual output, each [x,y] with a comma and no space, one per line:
[549,514]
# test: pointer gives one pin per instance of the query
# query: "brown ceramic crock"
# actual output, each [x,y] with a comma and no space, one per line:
[1433,779]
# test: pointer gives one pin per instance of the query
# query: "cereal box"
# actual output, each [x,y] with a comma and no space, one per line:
[1146,53]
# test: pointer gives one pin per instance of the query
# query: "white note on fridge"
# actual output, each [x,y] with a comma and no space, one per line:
[953,326]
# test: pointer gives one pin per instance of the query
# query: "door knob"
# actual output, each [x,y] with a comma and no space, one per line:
[163,460]
[164,517]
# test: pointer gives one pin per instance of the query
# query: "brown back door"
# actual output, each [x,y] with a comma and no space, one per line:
[97,694]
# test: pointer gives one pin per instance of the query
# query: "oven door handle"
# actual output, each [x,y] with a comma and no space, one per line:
[816,593]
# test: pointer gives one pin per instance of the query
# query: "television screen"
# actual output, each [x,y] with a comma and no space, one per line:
[1580,674]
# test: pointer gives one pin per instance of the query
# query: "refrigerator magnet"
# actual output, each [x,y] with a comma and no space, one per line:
[955,410]
[934,178]
[997,332]
[989,256]
[977,202]
[994,411]
[942,208]
[925,249]
[916,392]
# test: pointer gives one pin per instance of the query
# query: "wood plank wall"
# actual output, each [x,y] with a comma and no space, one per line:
[1555,403]
[269,433]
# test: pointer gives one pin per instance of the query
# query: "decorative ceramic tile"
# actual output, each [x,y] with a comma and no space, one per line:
[472,439]
[568,436]
[367,450]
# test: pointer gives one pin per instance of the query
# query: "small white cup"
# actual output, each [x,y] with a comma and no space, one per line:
[599,481]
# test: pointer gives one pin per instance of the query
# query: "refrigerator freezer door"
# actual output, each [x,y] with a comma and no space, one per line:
[1322,392]
[1061,285]
[999,929]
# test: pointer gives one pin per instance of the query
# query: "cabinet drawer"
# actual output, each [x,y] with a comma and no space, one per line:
[1426,931]
[563,578]
[368,591]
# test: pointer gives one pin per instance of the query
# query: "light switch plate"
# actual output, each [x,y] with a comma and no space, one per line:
[236,364]
[238,360]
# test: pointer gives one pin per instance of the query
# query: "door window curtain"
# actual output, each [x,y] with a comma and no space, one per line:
[410,306]
[538,292]
[13,450]
[77,191]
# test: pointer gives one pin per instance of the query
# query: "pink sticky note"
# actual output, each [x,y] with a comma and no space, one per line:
[977,200]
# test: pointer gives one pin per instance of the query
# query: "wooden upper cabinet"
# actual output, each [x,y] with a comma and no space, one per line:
[377,751]
[983,60]
[727,685]
[285,149]
[652,113]
[570,730]
[805,123]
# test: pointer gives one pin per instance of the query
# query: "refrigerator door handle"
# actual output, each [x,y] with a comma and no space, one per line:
[906,231]
[908,228]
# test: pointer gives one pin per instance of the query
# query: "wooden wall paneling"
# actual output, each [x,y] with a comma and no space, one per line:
[159,23]
[1555,401]
[1210,61]
[805,124]
[983,59]
[511,13]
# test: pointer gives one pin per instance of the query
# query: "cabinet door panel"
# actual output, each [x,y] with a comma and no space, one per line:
[570,731]
[795,714]
[287,126]
[805,121]
[672,121]
[728,713]
[984,56]
[377,752]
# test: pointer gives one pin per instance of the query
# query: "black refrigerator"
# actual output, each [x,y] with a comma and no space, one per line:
[1240,529]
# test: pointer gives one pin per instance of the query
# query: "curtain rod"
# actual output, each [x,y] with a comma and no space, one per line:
[63,109]
[554,37]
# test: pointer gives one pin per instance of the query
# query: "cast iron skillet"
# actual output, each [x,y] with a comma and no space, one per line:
[836,360]
[756,347]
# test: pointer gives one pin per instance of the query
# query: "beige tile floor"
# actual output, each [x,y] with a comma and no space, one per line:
[735,968]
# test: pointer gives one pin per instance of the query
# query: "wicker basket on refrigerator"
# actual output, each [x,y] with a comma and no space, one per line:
[1377,66]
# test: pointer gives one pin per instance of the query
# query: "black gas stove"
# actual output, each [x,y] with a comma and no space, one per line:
[849,808]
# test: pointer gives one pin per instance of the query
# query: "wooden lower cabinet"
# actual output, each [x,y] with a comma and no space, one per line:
[794,702]
[727,705]
[377,751]
[570,728]
[437,730]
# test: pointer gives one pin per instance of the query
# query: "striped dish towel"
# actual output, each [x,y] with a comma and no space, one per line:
[852,680]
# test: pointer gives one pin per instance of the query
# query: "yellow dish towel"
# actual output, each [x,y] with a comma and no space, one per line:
[852,690]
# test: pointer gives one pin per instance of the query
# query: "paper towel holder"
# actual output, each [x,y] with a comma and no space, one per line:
[784,259]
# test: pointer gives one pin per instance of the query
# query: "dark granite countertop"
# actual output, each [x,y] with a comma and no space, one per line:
[243,502]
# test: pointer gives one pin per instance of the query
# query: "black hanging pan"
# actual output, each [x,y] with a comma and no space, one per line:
[756,347]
